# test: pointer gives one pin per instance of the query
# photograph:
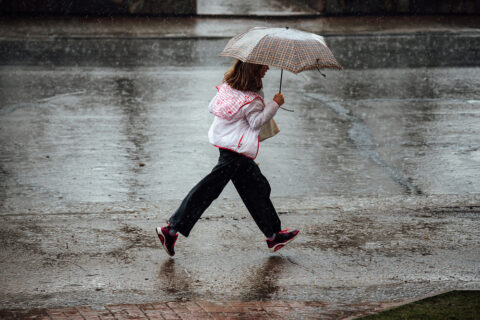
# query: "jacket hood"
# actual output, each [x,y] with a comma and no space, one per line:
[229,101]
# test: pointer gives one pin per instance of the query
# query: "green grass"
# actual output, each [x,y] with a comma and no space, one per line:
[453,305]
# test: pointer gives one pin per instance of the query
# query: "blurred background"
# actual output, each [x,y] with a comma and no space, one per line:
[193,7]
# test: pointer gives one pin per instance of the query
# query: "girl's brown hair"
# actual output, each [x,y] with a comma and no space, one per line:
[244,76]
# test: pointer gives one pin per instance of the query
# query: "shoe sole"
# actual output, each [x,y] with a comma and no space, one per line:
[283,244]
[162,240]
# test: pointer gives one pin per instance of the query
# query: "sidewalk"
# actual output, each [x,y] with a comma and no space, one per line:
[202,310]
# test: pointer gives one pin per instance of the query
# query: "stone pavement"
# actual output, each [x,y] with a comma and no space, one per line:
[201,310]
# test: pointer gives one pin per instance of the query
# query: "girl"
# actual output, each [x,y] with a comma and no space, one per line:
[240,112]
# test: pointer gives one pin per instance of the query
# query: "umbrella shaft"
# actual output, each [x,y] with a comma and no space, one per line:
[281,75]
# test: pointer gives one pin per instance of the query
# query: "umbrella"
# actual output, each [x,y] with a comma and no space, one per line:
[285,48]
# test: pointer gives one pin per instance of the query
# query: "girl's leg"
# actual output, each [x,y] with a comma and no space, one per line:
[254,190]
[203,194]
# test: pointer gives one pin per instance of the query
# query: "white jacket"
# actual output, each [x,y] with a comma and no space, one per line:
[239,117]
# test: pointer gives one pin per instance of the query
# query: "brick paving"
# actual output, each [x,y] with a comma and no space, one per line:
[200,310]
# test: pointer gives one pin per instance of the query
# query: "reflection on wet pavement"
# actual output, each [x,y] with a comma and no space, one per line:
[136,122]
[261,282]
[173,280]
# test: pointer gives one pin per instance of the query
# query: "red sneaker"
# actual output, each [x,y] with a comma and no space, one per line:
[281,239]
[168,241]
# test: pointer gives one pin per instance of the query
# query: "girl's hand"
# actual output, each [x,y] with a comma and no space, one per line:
[279,99]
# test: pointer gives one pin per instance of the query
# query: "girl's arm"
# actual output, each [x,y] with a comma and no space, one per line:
[257,115]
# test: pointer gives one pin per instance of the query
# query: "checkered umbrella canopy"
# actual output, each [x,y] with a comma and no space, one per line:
[285,48]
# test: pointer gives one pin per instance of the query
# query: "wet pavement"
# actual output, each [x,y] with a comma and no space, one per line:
[378,168]
[381,177]
[81,135]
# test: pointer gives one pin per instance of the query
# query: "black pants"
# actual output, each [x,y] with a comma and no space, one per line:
[250,183]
